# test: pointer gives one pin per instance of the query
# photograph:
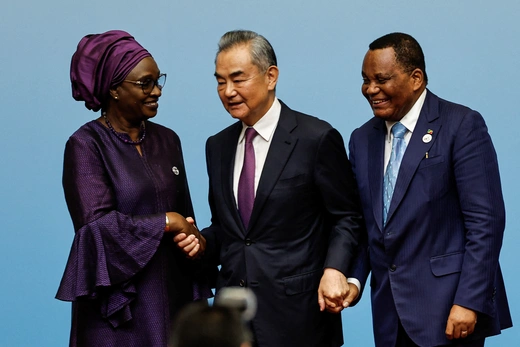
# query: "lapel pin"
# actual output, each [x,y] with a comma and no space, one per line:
[428,136]
[175,170]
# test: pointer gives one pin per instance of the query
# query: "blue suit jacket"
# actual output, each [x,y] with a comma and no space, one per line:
[306,216]
[444,228]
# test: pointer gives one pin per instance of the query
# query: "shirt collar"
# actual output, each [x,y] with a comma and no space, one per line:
[265,125]
[410,119]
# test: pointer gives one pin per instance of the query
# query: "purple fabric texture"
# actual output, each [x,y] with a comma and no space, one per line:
[125,279]
[102,61]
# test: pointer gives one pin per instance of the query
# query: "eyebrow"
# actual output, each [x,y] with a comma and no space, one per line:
[232,75]
[147,76]
[384,76]
[378,75]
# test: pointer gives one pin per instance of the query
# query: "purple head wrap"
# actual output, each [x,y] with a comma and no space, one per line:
[100,62]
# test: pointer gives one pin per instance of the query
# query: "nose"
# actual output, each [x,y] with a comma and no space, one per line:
[156,90]
[372,88]
[230,90]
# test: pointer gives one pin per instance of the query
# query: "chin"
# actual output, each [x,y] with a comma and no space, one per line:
[149,115]
[382,115]
[238,116]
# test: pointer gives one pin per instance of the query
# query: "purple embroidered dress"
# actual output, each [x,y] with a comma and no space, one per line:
[126,278]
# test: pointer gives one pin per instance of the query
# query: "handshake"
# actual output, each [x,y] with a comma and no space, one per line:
[187,236]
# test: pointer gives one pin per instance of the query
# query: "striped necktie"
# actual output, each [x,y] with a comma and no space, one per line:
[392,169]
[246,183]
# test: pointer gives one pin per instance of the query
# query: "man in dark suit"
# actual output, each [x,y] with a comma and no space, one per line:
[435,228]
[290,236]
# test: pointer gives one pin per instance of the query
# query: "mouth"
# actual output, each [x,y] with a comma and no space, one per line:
[152,104]
[234,104]
[380,102]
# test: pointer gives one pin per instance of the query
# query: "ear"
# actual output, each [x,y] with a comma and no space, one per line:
[417,76]
[272,76]
[114,94]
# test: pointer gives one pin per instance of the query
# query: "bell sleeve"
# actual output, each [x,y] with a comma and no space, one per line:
[109,247]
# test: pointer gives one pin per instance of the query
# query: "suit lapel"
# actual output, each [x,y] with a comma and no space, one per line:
[416,149]
[228,152]
[280,150]
[376,143]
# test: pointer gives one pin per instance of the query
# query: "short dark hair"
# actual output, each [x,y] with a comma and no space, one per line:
[408,52]
[262,53]
[200,325]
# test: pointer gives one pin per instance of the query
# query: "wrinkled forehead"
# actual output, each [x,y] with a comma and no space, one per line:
[380,61]
[234,61]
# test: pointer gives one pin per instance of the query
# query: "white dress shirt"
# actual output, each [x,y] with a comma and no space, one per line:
[265,128]
[409,121]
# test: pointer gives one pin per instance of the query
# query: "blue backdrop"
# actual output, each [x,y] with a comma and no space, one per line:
[472,57]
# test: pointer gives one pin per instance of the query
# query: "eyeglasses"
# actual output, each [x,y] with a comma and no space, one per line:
[149,84]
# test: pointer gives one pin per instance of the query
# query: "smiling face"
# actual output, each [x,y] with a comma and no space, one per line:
[390,90]
[132,103]
[246,92]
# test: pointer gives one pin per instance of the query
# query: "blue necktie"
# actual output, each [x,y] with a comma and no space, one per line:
[246,183]
[398,148]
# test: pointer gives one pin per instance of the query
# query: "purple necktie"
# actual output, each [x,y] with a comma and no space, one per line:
[246,184]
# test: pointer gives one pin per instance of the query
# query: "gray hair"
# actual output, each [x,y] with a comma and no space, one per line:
[262,53]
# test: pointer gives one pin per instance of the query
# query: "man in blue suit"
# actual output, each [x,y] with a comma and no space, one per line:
[292,243]
[433,245]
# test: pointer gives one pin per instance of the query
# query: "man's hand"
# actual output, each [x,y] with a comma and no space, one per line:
[333,292]
[461,322]
[352,294]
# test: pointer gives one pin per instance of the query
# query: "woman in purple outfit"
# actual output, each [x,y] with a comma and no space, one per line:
[127,193]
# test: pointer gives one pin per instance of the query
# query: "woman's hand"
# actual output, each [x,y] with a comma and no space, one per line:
[187,236]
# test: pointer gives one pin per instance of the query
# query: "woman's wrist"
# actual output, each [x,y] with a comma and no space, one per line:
[175,223]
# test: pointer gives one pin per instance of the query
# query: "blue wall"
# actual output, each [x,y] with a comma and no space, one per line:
[472,57]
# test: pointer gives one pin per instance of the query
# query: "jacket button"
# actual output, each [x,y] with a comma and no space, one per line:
[393,267]
[242,283]
[248,242]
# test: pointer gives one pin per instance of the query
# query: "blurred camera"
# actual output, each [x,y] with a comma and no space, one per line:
[239,298]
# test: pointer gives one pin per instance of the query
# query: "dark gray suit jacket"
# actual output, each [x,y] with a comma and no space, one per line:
[306,217]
